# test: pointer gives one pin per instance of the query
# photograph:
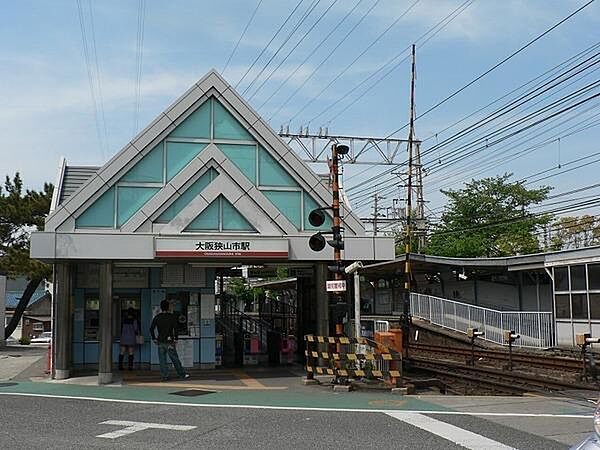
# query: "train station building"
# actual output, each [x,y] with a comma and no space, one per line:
[562,288]
[207,187]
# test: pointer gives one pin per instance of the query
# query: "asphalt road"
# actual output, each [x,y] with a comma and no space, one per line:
[58,423]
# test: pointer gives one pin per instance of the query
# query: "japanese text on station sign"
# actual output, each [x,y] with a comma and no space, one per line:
[220,246]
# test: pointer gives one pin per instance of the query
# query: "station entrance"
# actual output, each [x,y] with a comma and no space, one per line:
[207,187]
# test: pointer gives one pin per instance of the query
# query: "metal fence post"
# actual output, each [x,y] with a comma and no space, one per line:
[430,313]
[539,329]
[455,322]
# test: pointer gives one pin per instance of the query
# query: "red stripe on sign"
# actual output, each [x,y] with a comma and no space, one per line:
[196,254]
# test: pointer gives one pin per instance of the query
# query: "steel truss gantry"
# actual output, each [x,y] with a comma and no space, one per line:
[367,150]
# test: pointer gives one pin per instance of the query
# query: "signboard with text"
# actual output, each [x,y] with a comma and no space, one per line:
[220,248]
[336,286]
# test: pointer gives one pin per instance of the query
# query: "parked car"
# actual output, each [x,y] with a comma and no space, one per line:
[44,338]
[11,341]
[593,441]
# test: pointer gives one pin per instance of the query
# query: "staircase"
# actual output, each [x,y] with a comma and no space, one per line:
[244,336]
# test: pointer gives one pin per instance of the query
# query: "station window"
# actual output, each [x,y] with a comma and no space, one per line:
[578,278]
[595,306]
[563,306]
[580,307]
[594,276]
[91,319]
[561,278]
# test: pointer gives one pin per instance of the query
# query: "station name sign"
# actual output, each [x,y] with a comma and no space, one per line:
[336,286]
[220,248]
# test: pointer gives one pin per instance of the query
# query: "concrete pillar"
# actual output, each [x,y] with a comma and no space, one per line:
[105,330]
[322,299]
[61,302]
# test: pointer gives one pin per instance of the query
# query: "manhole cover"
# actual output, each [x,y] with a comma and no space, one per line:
[192,393]
[8,384]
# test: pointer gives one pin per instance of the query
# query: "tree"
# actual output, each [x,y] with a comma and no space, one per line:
[20,214]
[243,292]
[489,217]
[574,232]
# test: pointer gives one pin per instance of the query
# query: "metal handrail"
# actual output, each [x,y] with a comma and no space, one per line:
[535,327]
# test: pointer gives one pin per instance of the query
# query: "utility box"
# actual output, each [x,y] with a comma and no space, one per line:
[581,339]
[391,339]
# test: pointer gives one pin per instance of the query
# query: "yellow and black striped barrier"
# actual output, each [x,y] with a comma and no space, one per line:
[380,362]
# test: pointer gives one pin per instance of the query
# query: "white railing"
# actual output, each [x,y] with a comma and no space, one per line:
[535,328]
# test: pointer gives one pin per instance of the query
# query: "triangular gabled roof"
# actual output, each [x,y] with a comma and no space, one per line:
[252,200]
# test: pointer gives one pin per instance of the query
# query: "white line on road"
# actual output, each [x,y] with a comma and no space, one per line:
[449,432]
[305,408]
[132,427]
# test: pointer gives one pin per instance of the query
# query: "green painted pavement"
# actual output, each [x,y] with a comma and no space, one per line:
[286,399]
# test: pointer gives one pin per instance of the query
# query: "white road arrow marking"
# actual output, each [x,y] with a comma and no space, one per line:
[132,427]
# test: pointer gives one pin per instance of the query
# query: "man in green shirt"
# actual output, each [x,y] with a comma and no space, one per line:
[165,322]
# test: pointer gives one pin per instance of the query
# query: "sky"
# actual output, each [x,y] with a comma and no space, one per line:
[55,101]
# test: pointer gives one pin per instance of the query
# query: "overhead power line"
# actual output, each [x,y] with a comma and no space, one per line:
[283,60]
[304,16]
[392,64]
[91,81]
[345,69]
[311,53]
[241,37]
[482,75]
[139,58]
[287,19]
[325,60]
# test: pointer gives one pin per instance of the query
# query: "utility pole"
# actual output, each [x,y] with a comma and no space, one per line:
[376,214]
[335,207]
[420,209]
[407,246]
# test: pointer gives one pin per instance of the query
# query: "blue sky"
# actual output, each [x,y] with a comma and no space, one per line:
[46,108]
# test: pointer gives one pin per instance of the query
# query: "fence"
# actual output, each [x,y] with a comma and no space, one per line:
[352,357]
[535,328]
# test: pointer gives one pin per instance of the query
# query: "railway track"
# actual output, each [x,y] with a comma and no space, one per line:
[551,362]
[505,381]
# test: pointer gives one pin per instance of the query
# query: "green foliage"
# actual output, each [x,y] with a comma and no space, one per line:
[574,232]
[238,288]
[489,217]
[25,340]
[20,213]
[282,273]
